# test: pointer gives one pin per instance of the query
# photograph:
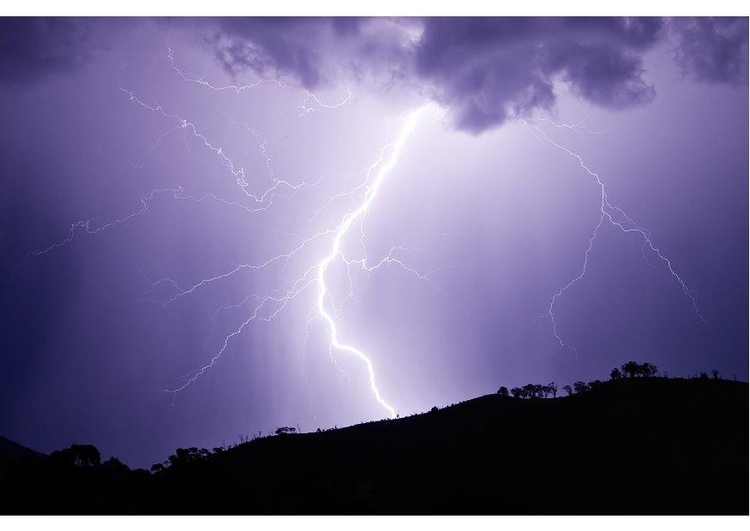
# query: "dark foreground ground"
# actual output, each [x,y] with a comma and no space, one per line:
[634,446]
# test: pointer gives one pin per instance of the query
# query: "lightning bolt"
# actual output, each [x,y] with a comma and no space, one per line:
[616,217]
[384,165]
[315,276]
[341,231]
[266,307]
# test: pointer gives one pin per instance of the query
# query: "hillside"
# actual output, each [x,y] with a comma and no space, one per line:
[12,452]
[631,446]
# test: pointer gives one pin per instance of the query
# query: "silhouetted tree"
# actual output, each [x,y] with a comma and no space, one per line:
[703,376]
[184,456]
[552,386]
[615,374]
[115,466]
[516,392]
[595,384]
[78,456]
[568,389]
[647,370]
[531,391]
[634,369]
[631,369]
[503,391]
[580,387]
[715,374]
[285,430]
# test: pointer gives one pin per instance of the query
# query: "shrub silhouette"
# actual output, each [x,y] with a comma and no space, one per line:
[184,456]
[77,456]
[633,369]
[580,387]
[647,370]
[503,391]
[552,388]
[630,369]
[532,390]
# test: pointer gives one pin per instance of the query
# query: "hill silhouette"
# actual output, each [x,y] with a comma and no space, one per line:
[12,452]
[627,446]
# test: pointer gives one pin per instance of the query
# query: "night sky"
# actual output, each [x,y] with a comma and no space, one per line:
[190,208]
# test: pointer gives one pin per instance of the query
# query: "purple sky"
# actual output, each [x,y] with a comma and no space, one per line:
[193,149]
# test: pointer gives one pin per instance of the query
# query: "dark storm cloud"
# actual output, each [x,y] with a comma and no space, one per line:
[489,69]
[313,51]
[274,46]
[483,69]
[712,49]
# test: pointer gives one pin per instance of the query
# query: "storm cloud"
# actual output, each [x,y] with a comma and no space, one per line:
[483,70]
[317,52]
[712,49]
[490,69]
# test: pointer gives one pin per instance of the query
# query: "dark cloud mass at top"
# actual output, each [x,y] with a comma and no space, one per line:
[316,52]
[713,49]
[484,70]
[489,69]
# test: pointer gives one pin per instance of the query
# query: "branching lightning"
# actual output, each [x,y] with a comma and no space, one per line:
[341,232]
[616,217]
[384,164]
[327,244]
[266,307]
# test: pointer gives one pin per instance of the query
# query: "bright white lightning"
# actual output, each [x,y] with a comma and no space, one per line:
[312,275]
[267,307]
[342,230]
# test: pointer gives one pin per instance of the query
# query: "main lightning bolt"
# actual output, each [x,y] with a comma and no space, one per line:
[342,230]
[381,168]
[269,306]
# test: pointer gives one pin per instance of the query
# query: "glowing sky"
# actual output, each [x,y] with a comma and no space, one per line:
[190,208]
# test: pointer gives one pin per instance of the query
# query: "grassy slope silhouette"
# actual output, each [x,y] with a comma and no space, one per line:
[630,446]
